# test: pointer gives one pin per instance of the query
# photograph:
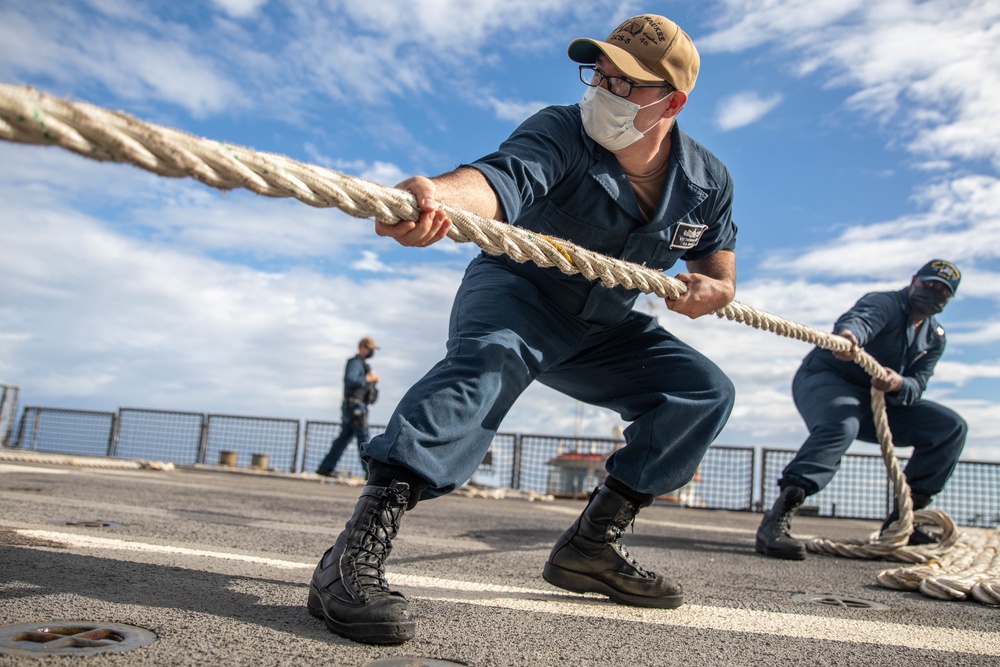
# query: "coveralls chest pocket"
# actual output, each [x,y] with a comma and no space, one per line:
[585,232]
[661,248]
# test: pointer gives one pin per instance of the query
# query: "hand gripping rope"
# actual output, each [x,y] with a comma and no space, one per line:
[961,566]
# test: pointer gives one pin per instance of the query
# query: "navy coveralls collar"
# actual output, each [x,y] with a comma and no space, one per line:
[687,183]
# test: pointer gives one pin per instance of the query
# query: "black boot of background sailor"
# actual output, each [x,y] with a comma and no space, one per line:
[348,589]
[589,558]
[774,534]
[920,535]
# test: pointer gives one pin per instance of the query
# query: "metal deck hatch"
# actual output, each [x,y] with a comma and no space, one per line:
[71,638]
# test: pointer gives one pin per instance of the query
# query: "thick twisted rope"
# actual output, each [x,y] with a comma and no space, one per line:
[33,117]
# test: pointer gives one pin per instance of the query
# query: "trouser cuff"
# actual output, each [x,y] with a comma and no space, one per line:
[384,474]
[619,487]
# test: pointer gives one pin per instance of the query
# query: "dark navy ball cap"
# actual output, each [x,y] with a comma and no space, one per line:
[942,271]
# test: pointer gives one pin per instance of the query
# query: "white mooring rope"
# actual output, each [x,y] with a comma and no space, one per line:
[961,566]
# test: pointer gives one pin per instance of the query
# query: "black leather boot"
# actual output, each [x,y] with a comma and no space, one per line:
[589,558]
[348,588]
[773,536]
[920,535]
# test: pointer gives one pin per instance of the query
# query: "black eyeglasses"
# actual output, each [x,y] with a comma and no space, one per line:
[617,85]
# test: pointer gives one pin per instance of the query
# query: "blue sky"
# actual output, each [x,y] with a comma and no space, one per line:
[861,137]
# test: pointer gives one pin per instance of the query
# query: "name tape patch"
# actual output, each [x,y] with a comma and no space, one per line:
[687,235]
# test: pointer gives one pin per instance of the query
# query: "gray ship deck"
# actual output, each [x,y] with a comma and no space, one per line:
[216,563]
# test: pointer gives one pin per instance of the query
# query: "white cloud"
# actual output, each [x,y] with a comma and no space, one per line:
[959,374]
[171,329]
[295,61]
[145,60]
[468,26]
[374,51]
[962,220]
[238,223]
[742,109]
[514,111]
[944,98]
[370,262]
[152,319]
[984,333]
[146,67]
[382,173]
[176,212]
[745,24]
[240,9]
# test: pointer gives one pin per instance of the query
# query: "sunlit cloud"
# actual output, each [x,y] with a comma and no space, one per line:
[240,8]
[370,262]
[742,109]
[514,111]
[144,60]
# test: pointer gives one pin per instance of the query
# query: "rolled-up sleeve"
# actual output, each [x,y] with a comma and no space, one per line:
[535,157]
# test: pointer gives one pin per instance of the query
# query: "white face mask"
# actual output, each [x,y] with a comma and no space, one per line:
[609,119]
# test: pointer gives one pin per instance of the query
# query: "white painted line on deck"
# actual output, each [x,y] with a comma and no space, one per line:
[88,542]
[51,471]
[724,619]
[763,622]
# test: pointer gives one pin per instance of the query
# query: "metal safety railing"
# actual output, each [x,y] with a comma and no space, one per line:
[729,477]
[863,490]
[8,413]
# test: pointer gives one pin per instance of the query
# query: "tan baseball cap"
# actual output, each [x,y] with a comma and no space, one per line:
[645,48]
[368,342]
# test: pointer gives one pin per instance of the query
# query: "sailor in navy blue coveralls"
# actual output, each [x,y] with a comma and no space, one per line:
[359,392]
[613,174]
[833,395]
[513,323]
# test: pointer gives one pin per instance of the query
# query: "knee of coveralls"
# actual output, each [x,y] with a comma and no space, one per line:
[443,427]
[937,435]
[502,332]
[833,410]
[666,443]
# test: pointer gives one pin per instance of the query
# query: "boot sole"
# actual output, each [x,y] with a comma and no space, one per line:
[762,548]
[581,583]
[389,632]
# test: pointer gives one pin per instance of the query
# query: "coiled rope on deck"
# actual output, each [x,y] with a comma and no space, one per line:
[32,117]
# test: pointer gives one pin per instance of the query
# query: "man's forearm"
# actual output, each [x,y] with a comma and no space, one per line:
[467,189]
[720,266]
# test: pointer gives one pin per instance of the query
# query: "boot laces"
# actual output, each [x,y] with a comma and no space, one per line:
[785,524]
[374,548]
[617,528]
